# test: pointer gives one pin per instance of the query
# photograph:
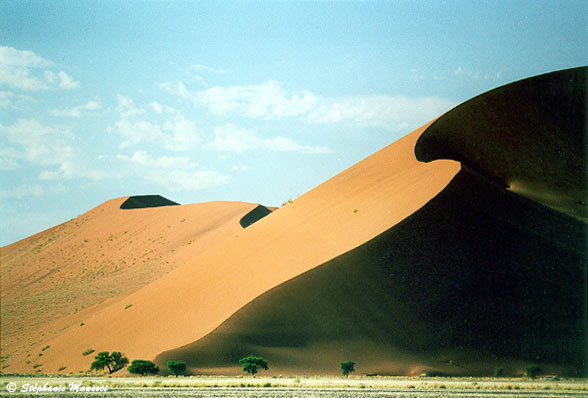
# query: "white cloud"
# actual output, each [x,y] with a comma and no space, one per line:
[13,57]
[177,88]
[174,173]
[32,142]
[159,108]
[8,99]
[266,101]
[136,132]
[20,78]
[183,134]
[126,107]
[77,110]
[231,138]
[175,133]
[169,162]
[19,69]
[66,82]
[70,169]
[392,112]
[271,101]
[36,143]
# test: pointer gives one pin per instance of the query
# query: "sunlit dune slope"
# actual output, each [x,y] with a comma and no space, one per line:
[193,300]
[99,255]
[479,278]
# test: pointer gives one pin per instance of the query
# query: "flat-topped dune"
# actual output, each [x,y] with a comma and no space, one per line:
[146,201]
[191,301]
[104,253]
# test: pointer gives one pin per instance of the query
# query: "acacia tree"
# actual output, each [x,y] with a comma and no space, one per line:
[112,362]
[176,367]
[347,367]
[143,367]
[251,363]
[102,360]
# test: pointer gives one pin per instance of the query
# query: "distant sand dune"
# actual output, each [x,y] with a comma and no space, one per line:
[51,280]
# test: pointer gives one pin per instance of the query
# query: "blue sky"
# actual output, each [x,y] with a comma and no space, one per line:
[252,101]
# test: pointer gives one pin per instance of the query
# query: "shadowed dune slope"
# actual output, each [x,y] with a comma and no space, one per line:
[144,201]
[191,301]
[52,279]
[531,136]
[477,278]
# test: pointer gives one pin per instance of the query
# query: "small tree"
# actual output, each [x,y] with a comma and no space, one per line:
[347,367]
[102,360]
[143,367]
[531,371]
[251,363]
[118,361]
[176,367]
[112,362]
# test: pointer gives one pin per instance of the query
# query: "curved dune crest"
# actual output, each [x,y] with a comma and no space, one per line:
[531,136]
[193,300]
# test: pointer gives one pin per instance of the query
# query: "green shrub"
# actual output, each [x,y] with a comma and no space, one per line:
[88,352]
[143,367]
[251,363]
[347,367]
[498,371]
[531,371]
[176,367]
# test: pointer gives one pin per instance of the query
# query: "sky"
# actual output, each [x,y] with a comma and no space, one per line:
[256,101]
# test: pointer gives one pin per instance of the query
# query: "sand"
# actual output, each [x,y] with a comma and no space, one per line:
[456,249]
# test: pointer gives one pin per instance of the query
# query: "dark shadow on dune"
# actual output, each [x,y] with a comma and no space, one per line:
[144,201]
[531,135]
[254,215]
[478,272]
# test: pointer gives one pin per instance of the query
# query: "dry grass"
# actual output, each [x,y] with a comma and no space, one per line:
[367,383]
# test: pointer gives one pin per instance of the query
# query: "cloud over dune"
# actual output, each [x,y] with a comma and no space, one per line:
[270,100]
[22,70]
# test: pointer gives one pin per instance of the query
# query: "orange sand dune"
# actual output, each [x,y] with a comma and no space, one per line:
[101,254]
[190,302]
[477,278]
[400,265]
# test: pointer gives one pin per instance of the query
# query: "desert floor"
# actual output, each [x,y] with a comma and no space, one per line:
[296,387]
